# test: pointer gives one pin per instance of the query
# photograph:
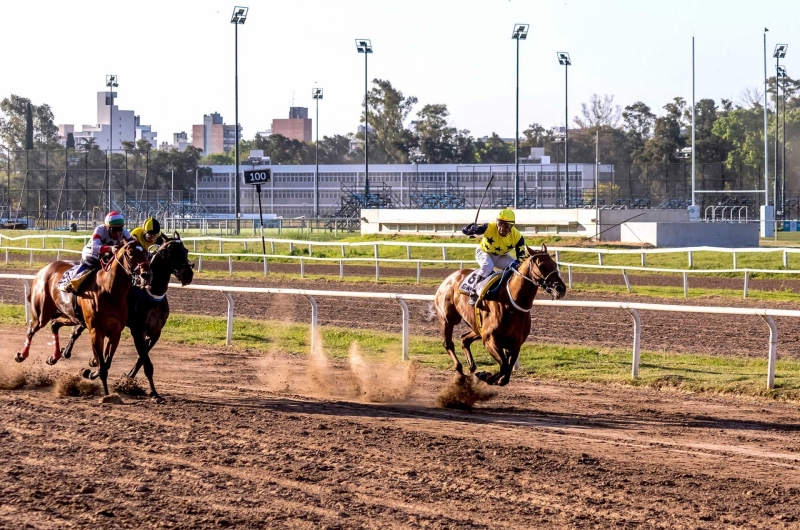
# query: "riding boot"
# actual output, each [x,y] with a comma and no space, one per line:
[473,293]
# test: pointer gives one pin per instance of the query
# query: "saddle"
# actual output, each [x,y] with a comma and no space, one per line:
[490,286]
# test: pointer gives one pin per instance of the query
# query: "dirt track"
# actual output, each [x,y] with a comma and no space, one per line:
[248,441]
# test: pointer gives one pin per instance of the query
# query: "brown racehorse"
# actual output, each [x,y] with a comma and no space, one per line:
[148,309]
[101,302]
[505,320]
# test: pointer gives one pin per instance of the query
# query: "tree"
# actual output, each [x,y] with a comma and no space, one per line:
[599,112]
[709,146]
[89,143]
[128,145]
[28,127]
[335,149]
[638,126]
[494,150]
[70,141]
[742,129]
[13,124]
[388,110]
[218,159]
[143,144]
[282,150]
[667,140]
[435,137]
[535,136]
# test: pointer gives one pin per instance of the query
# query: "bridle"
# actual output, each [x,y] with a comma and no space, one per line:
[177,267]
[135,273]
[539,280]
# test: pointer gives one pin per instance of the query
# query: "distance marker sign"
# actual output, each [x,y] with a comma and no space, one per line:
[257,176]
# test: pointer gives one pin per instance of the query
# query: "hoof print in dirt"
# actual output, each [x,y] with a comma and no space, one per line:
[113,399]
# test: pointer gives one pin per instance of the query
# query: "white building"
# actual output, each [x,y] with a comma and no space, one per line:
[181,141]
[125,127]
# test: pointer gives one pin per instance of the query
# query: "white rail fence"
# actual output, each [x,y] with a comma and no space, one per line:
[631,308]
[303,260]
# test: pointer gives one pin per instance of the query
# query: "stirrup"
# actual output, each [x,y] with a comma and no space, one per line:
[473,299]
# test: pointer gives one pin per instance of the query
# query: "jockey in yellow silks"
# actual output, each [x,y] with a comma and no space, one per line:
[499,239]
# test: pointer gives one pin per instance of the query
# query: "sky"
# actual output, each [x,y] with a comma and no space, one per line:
[175,58]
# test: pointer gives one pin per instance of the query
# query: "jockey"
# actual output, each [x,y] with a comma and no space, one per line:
[149,233]
[499,238]
[110,234]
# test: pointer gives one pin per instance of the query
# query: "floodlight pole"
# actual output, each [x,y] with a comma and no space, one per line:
[783,158]
[694,112]
[776,183]
[366,129]
[516,138]
[766,139]
[317,97]
[236,123]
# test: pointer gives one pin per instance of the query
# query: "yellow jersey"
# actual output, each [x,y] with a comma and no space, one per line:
[138,234]
[494,243]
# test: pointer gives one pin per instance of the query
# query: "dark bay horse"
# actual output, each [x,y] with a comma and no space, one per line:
[101,302]
[505,321]
[148,309]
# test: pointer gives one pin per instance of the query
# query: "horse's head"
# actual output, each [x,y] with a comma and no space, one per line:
[176,256]
[543,271]
[136,263]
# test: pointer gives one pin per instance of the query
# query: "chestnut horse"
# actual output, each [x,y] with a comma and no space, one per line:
[504,321]
[148,309]
[101,302]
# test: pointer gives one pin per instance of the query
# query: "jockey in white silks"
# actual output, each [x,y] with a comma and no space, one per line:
[499,239]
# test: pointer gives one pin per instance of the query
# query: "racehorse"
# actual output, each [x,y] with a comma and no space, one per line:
[148,309]
[100,304]
[503,322]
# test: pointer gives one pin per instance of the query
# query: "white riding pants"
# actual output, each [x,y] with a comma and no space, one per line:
[489,262]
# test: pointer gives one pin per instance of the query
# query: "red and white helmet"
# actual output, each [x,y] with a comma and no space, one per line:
[114,220]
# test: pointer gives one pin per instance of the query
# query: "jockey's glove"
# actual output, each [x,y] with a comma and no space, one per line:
[470,229]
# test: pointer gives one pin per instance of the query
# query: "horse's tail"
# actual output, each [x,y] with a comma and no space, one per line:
[429,313]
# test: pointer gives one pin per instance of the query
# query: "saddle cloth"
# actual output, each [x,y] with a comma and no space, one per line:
[484,288]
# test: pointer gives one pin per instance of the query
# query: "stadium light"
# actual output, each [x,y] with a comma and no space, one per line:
[316,94]
[564,60]
[778,54]
[112,82]
[365,46]
[520,33]
[238,18]
[781,74]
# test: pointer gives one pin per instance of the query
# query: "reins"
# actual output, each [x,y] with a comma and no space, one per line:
[539,281]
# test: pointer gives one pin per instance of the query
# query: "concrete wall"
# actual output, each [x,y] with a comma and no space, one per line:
[573,222]
[731,235]
[610,220]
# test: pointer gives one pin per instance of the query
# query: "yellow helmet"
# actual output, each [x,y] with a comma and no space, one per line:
[506,215]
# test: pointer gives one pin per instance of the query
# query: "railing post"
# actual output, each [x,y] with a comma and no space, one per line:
[627,281]
[785,259]
[690,256]
[30,262]
[272,247]
[408,251]
[600,258]
[444,253]
[44,239]
[27,294]
[302,268]
[735,261]
[404,308]
[58,255]
[62,244]
[569,275]
[746,282]
[644,260]
[377,271]
[343,254]
[220,246]
[245,245]
[265,265]
[376,251]
[685,285]
[194,246]
[229,332]
[310,250]
[6,256]
[291,248]
[419,272]
[773,350]
[230,265]
[637,341]
[558,262]
[341,269]
[314,319]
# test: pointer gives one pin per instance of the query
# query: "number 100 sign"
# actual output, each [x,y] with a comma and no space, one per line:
[257,176]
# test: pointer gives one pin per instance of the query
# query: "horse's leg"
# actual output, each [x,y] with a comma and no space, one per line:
[143,347]
[505,371]
[34,326]
[105,362]
[498,354]
[66,351]
[53,359]
[449,345]
[466,341]
[98,339]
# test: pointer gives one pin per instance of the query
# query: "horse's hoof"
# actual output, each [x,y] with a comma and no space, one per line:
[94,375]
[86,374]
[93,363]
[158,399]
[65,353]
[483,376]
[19,358]
[51,361]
